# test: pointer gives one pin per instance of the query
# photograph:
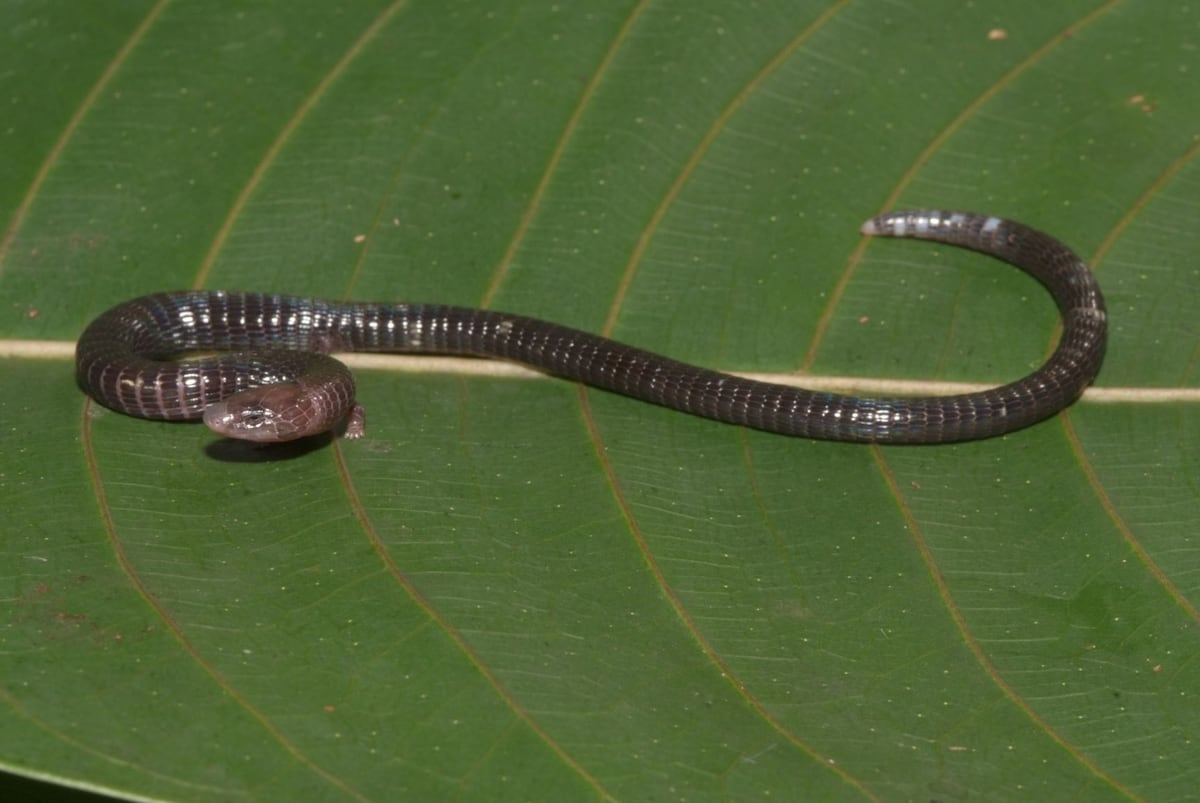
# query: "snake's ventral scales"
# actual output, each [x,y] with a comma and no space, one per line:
[276,381]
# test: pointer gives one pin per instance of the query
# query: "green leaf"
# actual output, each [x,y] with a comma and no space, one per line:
[515,588]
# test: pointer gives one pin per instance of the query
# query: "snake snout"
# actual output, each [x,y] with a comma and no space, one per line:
[268,414]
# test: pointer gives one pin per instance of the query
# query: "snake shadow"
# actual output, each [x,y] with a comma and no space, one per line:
[228,450]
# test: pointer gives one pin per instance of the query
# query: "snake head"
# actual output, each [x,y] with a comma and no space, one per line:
[267,414]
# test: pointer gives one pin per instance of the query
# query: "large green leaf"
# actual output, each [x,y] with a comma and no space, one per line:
[515,588]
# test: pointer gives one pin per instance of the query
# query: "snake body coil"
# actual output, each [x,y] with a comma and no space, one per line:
[278,382]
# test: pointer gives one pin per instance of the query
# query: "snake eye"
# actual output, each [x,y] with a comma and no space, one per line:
[255,417]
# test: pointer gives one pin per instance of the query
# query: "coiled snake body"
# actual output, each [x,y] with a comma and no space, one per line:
[278,382]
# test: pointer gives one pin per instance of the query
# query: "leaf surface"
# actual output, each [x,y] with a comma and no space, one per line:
[515,588]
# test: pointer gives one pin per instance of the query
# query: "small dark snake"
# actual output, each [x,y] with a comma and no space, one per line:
[277,382]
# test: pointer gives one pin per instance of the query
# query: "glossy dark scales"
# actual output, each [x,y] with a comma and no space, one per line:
[127,359]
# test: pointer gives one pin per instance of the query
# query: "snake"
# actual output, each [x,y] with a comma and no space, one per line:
[265,373]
